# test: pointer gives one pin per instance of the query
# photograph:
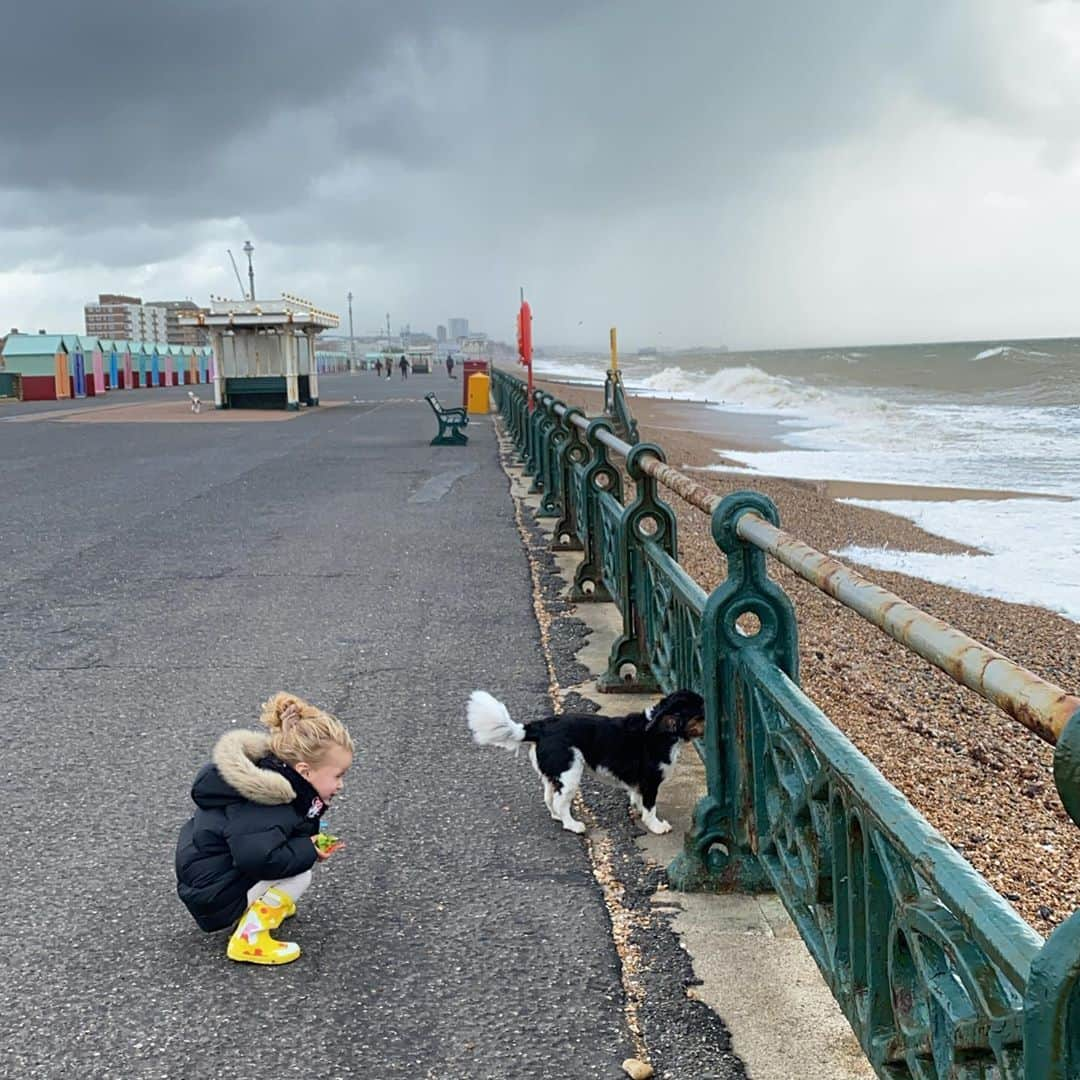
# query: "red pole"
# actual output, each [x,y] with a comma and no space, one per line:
[525,343]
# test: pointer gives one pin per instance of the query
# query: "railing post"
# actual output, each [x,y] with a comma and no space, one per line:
[574,451]
[1052,996]
[536,444]
[547,425]
[721,850]
[600,475]
[513,413]
[646,518]
[551,502]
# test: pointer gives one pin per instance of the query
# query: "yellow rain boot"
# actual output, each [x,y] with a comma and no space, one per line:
[251,941]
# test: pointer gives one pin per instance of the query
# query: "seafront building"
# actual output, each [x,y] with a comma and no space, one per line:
[127,317]
[182,334]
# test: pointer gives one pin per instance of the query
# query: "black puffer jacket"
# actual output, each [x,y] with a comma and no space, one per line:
[248,826]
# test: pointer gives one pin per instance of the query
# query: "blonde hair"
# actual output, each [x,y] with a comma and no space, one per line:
[301,732]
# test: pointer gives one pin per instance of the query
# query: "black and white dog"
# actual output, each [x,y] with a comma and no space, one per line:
[637,751]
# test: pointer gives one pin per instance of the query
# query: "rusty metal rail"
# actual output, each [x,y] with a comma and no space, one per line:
[1037,704]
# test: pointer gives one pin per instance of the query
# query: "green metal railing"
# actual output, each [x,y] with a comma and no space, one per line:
[617,408]
[937,974]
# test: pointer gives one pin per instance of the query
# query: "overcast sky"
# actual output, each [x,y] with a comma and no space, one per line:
[693,172]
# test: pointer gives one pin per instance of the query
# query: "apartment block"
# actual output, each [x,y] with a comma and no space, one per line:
[175,334]
[116,316]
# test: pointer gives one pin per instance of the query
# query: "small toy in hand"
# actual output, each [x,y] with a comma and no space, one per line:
[326,842]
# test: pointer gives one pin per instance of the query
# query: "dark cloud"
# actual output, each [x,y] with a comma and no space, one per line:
[612,155]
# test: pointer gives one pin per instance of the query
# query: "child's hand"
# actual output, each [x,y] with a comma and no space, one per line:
[325,845]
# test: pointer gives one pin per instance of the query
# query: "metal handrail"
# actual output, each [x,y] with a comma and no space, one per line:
[937,974]
[1029,699]
[1039,705]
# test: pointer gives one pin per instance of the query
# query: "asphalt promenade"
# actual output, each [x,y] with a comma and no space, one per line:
[158,581]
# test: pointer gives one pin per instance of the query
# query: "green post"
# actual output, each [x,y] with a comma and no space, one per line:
[720,851]
[573,454]
[600,475]
[648,519]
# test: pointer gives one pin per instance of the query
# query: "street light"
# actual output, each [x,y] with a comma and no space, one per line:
[248,249]
[352,353]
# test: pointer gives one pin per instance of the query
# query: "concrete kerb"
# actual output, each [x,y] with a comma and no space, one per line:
[755,972]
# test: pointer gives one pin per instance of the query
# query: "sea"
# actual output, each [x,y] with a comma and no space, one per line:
[987,415]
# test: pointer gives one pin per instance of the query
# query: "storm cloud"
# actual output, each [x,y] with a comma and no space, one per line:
[695,173]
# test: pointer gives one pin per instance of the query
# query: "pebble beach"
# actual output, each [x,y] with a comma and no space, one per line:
[975,773]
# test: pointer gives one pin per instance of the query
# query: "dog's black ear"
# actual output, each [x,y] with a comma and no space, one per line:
[671,713]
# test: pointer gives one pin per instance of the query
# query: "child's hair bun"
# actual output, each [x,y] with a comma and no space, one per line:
[283,710]
[300,731]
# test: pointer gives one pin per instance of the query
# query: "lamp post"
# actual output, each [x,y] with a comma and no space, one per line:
[352,353]
[248,249]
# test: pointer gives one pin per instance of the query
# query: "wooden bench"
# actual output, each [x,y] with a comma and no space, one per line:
[451,421]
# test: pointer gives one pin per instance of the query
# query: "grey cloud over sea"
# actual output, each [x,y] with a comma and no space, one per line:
[693,172]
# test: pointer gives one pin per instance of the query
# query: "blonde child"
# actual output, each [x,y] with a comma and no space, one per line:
[247,852]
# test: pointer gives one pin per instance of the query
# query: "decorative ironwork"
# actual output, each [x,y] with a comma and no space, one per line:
[936,973]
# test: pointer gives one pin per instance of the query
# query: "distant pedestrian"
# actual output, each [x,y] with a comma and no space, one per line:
[247,852]
[389,367]
[449,365]
[378,368]
[403,363]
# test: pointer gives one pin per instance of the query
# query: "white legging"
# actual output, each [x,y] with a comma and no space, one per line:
[293,887]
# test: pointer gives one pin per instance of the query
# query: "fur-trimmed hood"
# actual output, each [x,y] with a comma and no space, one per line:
[235,759]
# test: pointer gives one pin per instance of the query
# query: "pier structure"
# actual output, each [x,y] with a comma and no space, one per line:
[264,351]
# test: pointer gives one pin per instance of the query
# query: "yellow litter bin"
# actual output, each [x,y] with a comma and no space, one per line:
[479,390]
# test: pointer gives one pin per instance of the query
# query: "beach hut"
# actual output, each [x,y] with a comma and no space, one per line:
[111,357]
[140,362]
[127,374]
[76,365]
[41,362]
[95,365]
[158,352]
[205,357]
[191,365]
[186,370]
[168,358]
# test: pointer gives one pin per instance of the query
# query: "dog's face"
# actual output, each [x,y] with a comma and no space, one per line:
[681,713]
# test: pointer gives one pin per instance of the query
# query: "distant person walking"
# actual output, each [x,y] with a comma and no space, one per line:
[389,367]
[449,366]
[378,368]
[403,363]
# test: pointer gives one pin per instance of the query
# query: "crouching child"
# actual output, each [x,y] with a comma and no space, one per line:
[246,855]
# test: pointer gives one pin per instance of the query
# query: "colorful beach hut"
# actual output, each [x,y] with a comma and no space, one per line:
[168,357]
[140,363]
[191,364]
[158,352]
[93,357]
[41,362]
[110,352]
[127,373]
[76,365]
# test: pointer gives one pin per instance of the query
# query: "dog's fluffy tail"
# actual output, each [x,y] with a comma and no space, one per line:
[490,723]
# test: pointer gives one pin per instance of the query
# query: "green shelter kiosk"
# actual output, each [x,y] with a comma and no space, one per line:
[264,351]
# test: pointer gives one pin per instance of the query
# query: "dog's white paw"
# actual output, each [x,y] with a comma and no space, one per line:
[577,826]
[658,826]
